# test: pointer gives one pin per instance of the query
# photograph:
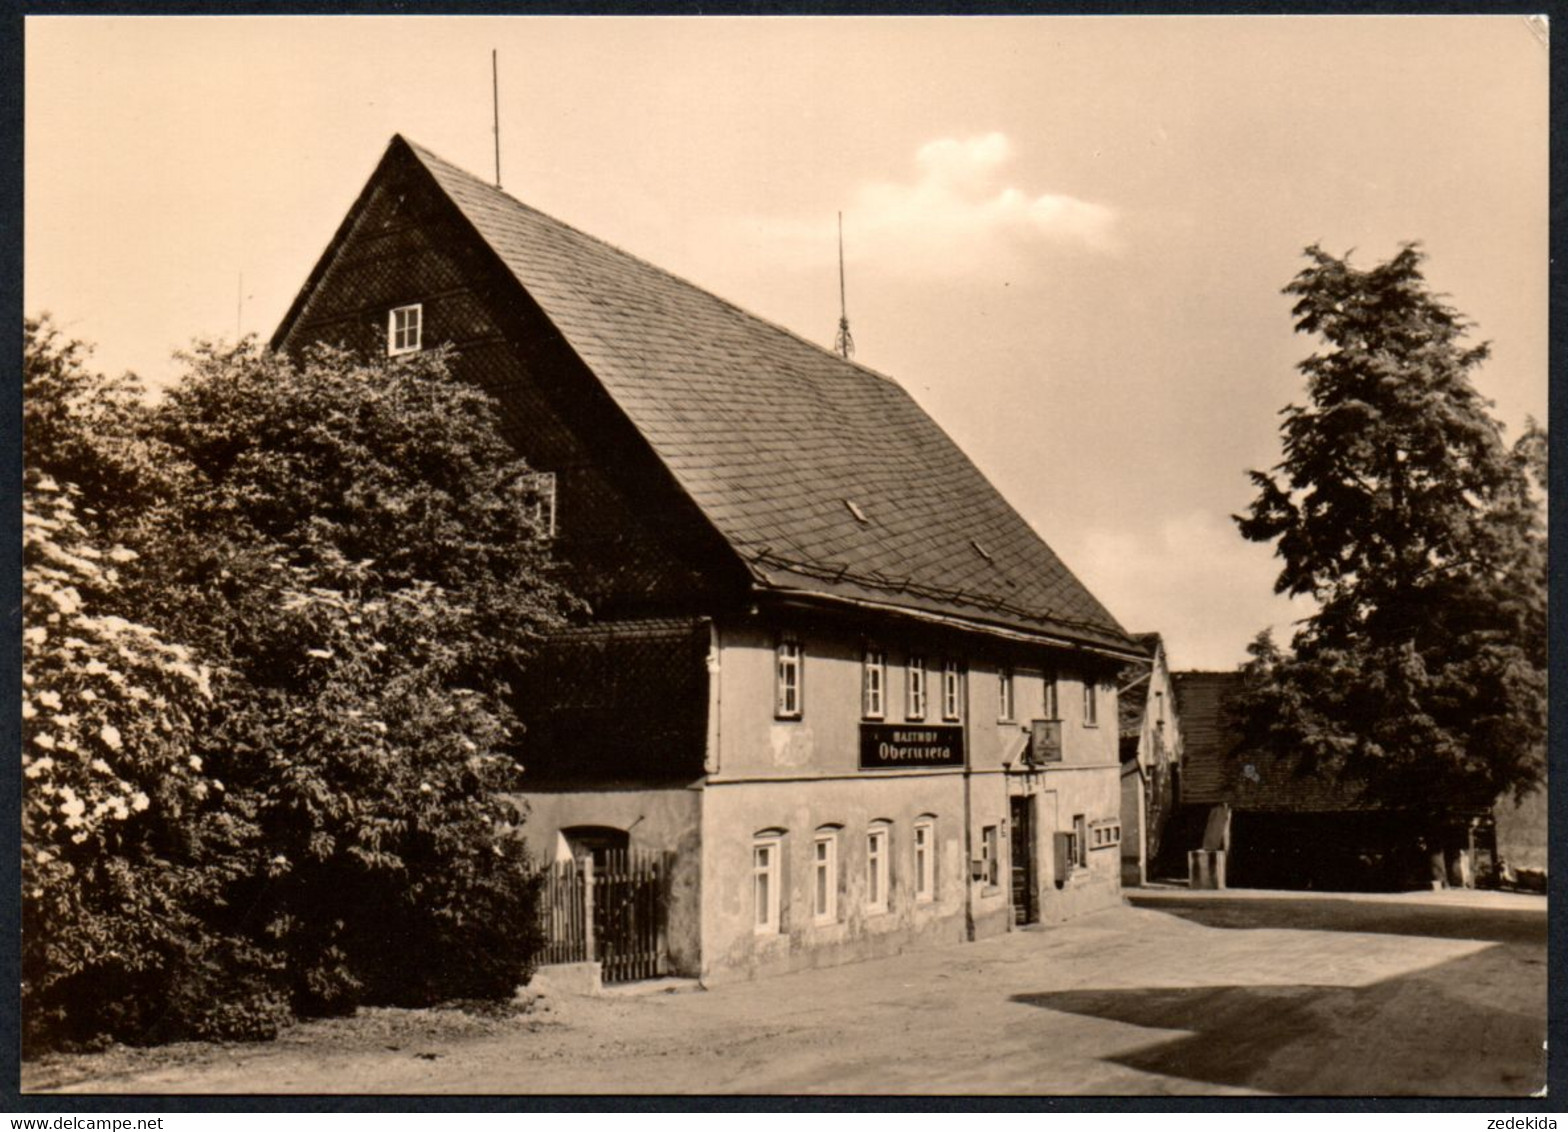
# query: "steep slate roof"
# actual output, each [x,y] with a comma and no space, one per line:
[771,434]
[1213,770]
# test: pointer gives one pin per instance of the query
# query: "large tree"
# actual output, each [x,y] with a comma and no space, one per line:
[1401,509]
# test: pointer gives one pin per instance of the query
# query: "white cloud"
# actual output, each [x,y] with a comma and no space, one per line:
[1193,579]
[955,215]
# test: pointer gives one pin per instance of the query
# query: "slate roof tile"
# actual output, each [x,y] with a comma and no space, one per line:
[769,434]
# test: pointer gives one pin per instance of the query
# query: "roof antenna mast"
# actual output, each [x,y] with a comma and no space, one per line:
[844,343]
[495,104]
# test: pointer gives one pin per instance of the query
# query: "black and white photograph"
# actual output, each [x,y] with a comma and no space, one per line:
[801,555]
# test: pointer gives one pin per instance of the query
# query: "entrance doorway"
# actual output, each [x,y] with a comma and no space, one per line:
[1026,908]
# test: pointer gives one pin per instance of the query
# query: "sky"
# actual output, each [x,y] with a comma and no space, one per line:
[1066,237]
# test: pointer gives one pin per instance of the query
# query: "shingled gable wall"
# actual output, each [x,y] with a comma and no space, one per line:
[657,717]
[633,543]
[624,535]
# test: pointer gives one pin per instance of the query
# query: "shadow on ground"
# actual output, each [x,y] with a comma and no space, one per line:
[1390,917]
[1448,1030]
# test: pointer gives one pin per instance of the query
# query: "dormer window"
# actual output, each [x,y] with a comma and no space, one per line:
[404,329]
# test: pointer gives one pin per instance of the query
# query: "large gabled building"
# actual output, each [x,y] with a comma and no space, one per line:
[829,668]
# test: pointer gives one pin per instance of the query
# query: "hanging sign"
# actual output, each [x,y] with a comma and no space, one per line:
[1045,742]
[895,746]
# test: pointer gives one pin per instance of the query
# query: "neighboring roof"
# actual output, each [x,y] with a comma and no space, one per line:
[773,437]
[1132,697]
[1207,741]
[1214,770]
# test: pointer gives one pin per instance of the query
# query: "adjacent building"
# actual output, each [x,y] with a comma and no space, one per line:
[1151,757]
[1282,826]
[830,672]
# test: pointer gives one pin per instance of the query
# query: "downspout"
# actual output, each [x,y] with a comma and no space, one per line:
[969,831]
[1007,830]
[710,761]
[710,766]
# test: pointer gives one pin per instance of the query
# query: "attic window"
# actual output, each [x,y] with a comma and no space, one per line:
[542,507]
[854,509]
[980,550]
[404,325]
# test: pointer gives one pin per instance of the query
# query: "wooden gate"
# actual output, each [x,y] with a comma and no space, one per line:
[612,907]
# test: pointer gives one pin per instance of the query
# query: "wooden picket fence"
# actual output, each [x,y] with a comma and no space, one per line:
[563,912]
[615,912]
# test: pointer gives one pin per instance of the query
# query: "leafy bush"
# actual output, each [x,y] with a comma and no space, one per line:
[314,816]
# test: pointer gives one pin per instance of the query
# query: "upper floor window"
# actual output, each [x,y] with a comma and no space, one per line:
[1159,709]
[1004,695]
[874,684]
[952,690]
[1051,708]
[915,700]
[404,329]
[1091,703]
[788,679]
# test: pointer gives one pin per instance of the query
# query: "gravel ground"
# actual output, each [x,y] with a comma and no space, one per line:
[1184,993]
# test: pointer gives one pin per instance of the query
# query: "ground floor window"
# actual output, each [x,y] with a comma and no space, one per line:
[990,862]
[877,870]
[825,877]
[1080,858]
[766,851]
[925,860]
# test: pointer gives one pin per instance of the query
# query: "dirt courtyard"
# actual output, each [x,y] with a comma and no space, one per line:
[1177,993]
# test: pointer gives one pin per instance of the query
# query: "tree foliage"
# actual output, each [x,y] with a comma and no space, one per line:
[349,558]
[1401,509]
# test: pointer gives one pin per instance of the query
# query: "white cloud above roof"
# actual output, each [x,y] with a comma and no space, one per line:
[955,214]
